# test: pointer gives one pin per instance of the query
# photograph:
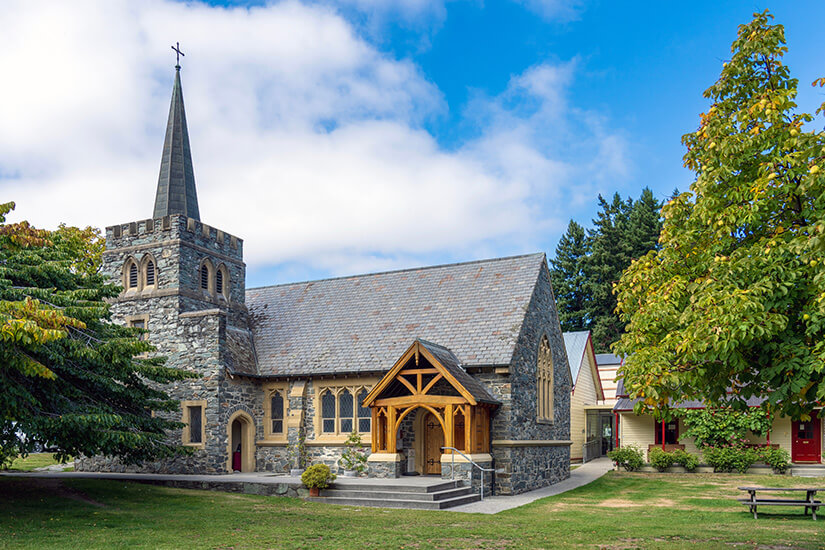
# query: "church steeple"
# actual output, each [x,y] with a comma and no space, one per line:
[176,184]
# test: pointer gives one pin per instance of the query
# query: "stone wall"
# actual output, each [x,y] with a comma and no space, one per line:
[520,469]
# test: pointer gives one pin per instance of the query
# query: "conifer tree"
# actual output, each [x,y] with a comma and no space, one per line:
[567,277]
[609,255]
[734,299]
[69,378]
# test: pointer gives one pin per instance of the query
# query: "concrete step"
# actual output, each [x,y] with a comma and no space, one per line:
[396,487]
[382,494]
[808,471]
[400,503]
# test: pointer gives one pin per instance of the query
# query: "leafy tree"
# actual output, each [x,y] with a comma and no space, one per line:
[567,277]
[69,377]
[734,300]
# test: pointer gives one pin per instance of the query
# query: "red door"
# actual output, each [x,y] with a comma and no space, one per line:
[806,439]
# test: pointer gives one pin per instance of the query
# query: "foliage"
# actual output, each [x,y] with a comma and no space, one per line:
[567,277]
[720,425]
[353,457]
[735,296]
[69,378]
[660,459]
[629,457]
[586,266]
[318,476]
[734,457]
[776,457]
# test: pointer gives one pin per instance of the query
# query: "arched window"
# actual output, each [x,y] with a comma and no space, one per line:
[544,381]
[276,404]
[150,272]
[364,413]
[222,281]
[328,412]
[130,275]
[345,411]
[205,277]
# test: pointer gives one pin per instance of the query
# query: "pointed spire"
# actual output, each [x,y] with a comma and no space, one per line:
[176,184]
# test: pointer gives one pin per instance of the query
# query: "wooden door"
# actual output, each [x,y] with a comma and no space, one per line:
[433,441]
[806,440]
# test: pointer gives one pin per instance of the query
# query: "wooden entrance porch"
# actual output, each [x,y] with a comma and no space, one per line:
[454,409]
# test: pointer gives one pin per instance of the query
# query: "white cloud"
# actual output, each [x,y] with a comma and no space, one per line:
[307,141]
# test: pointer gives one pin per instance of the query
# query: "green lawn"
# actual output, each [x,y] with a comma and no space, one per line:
[34,460]
[618,511]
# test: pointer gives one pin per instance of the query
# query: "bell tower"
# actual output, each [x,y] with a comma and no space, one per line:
[184,281]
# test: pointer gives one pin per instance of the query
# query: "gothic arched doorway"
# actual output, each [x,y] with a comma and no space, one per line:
[241,443]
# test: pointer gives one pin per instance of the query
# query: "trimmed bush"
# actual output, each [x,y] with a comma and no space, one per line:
[688,461]
[661,460]
[318,476]
[629,457]
[776,458]
[730,458]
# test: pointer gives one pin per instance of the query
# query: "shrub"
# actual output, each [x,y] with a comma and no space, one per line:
[688,461]
[318,475]
[776,458]
[661,460]
[353,457]
[730,458]
[629,457]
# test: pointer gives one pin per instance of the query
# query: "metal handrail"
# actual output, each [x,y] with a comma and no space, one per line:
[470,460]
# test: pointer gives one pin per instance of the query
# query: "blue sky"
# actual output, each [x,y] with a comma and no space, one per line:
[344,136]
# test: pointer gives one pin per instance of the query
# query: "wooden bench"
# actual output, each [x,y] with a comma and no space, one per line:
[809,503]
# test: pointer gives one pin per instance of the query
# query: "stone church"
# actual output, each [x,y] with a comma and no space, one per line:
[419,362]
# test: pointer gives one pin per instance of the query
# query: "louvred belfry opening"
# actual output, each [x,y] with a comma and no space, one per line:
[457,406]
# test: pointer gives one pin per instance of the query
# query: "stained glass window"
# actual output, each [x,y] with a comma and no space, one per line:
[364,413]
[328,412]
[345,411]
[277,411]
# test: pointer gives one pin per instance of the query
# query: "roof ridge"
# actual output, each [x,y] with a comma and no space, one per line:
[408,269]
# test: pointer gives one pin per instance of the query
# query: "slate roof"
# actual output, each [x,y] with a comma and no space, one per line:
[364,323]
[607,359]
[451,363]
[176,192]
[623,403]
[575,343]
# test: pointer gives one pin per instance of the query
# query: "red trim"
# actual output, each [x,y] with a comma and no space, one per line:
[663,435]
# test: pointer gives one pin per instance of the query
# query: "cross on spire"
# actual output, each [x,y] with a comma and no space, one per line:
[179,53]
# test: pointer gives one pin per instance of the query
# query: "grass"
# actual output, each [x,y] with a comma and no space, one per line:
[35,460]
[618,511]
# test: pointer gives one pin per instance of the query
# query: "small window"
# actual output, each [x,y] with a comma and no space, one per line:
[139,323]
[345,411]
[195,424]
[219,281]
[204,277]
[328,412]
[364,413]
[277,410]
[150,273]
[132,281]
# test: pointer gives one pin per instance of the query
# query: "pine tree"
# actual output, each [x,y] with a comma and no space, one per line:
[567,277]
[644,225]
[609,255]
[70,378]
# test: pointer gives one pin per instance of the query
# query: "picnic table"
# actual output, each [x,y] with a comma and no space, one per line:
[809,503]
